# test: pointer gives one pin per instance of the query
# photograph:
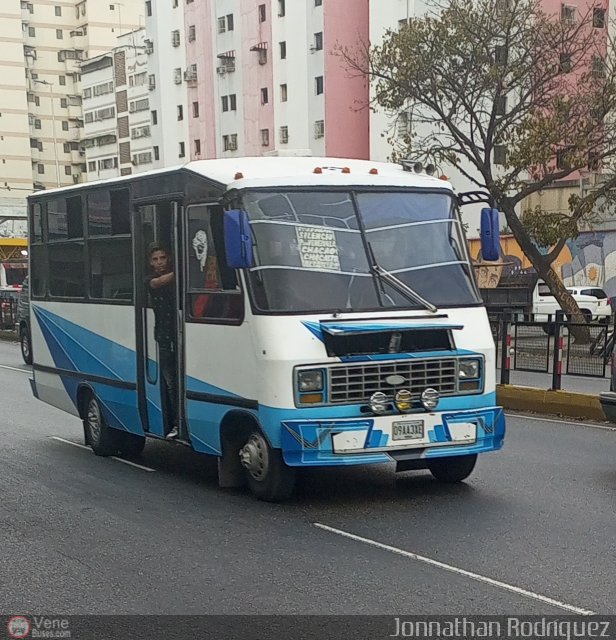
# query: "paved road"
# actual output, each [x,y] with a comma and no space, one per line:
[82,534]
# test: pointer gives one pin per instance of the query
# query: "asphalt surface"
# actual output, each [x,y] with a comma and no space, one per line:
[82,534]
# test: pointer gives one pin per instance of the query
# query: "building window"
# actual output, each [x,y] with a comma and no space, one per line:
[67,170]
[318,84]
[598,18]
[230,22]
[284,135]
[58,11]
[283,50]
[283,93]
[182,150]
[229,142]
[565,62]
[37,124]
[265,137]
[175,38]
[148,8]
[180,112]
[67,147]
[264,95]
[62,80]
[232,102]
[64,125]
[500,154]
[222,25]
[225,103]
[192,33]
[197,147]
[154,117]
[64,103]
[318,3]
[281,8]
[176,4]
[92,166]
[37,101]
[156,153]
[501,54]
[262,13]
[319,128]
[567,14]
[195,106]
[40,168]
[501,105]
[318,41]
[32,32]
[59,34]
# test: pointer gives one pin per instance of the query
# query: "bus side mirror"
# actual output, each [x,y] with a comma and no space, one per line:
[238,240]
[490,235]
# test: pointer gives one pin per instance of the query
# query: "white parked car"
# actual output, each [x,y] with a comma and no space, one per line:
[604,304]
[546,306]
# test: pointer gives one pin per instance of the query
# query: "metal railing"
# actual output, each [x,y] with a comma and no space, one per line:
[555,347]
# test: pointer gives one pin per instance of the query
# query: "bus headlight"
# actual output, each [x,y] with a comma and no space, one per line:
[469,369]
[310,380]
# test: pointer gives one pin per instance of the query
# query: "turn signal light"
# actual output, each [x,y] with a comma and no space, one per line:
[239,175]
[317,170]
[311,398]
[346,170]
[374,172]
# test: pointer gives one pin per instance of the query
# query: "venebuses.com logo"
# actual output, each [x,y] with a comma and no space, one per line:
[35,627]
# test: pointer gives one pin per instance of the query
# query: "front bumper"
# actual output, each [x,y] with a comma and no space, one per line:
[370,440]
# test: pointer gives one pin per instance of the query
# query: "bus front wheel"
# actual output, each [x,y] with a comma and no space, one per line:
[454,469]
[104,440]
[269,478]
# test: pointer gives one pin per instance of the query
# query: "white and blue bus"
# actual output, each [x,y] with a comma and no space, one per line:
[327,314]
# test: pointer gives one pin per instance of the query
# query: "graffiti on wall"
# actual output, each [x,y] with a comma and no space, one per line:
[588,260]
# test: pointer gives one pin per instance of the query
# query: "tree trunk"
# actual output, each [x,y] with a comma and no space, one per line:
[545,271]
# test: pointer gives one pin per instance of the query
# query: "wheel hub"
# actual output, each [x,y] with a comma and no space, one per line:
[254,456]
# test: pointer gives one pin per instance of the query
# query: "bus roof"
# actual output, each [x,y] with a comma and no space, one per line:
[280,171]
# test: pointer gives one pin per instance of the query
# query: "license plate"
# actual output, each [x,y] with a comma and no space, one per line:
[407,430]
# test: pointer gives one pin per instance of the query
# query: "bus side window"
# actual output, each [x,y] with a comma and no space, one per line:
[213,288]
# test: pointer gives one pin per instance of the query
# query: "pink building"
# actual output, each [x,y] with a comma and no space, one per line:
[264,78]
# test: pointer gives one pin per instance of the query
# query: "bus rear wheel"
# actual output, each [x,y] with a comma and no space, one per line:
[103,440]
[269,478]
[454,469]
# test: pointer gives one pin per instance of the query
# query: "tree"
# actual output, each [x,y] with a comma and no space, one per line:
[481,82]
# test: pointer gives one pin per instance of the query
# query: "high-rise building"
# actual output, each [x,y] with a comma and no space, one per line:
[264,77]
[43,45]
[116,86]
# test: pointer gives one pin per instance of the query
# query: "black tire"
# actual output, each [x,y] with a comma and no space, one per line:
[103,440]
[25,342]
[454,469]
[587,315]
[131,445]
[269,478]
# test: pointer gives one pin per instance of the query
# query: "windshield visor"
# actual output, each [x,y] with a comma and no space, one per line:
[312,250]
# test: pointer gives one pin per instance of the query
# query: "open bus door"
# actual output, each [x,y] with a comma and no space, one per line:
[156,223]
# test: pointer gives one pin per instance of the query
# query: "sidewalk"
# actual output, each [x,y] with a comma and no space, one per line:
[579,384]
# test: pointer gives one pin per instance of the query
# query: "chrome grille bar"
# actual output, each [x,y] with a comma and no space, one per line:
[357,382]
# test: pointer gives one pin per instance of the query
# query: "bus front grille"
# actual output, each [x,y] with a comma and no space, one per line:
[356,383]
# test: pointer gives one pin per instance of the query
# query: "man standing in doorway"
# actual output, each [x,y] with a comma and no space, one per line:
[161,287]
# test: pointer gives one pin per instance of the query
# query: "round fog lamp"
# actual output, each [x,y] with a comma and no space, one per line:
[379,402]
[403,400]
[430,398]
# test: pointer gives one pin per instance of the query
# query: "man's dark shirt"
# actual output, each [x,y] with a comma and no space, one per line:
[163,303]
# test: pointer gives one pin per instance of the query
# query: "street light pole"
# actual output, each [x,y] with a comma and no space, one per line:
[53,124]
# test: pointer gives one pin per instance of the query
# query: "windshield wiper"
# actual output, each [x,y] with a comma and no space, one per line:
[395,283]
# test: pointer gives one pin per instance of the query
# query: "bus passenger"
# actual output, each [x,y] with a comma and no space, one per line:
[161,287]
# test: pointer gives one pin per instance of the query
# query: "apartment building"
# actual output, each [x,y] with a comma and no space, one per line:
[170,112]
[264,78]
[41,122]
[116,85]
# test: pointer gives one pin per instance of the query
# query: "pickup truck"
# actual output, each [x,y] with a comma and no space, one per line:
[523,294]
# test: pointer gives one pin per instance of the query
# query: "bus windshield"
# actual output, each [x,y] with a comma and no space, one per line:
[313,250]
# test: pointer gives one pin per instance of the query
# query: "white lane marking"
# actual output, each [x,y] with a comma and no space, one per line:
[462,572]
[590,425]
[83,446]
[133,464]
[4,366]
[75,444]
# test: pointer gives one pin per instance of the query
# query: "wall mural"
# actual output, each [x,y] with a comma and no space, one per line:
[588,260]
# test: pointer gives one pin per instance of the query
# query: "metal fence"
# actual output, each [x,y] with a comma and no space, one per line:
[556,347]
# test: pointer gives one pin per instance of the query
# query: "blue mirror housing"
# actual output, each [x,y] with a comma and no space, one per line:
[238,240]
[490,234]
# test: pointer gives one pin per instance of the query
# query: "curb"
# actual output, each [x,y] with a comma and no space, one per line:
[560,403]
